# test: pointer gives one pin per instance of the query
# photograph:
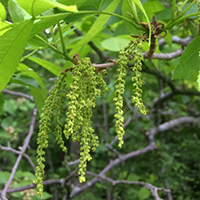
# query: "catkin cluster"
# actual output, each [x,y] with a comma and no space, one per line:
[120,84]
[137,79]
[83,94]
[86,86]
[53,102]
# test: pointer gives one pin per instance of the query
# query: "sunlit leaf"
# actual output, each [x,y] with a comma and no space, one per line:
[2,12]
[11,50]
[36,7]
[114,44]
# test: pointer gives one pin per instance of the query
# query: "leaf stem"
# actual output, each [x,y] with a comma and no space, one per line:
[30,54]
[67,57]
[173,10]
[170,25]
[183,13]
[96,13]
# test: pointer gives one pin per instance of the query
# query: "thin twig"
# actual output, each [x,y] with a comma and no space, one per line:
[9,148]
[23,149]
[77,190]
[149,186]
[18,94]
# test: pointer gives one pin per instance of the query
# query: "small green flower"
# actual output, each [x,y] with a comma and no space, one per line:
[83,94]
[53,101]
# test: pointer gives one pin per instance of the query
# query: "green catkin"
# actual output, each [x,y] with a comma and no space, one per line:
[137,80]
[59,110]
[44,129]
[197,20]
[119,91]
[120,84]
[82,99]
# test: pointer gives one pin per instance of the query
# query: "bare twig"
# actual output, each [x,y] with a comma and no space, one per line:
[77,190]
[9,148]
[168,95]
[175,39]
[18,94]
[154,190]
[171,124]
[23,149]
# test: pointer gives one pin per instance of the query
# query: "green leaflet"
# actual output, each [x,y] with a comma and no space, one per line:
[11,50]
[144,12]
[36,7]
[15,11]
[39,94]
[189,61]
[2,12]
[114,43]
[47,65]
[46,22]
[153,7]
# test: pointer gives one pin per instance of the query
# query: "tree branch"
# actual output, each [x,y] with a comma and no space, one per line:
[175,39]
[23,149]
[113,163]
[18,94]
[171,124]
[154,190]
[9,148]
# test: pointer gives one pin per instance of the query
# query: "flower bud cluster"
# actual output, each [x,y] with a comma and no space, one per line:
[119,90]
[137,80]
[82,99]
[51,103]
[59,100]
[123,60]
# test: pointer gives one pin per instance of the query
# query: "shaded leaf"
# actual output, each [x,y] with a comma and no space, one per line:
[4,177]
[143,193]
[189,61]
[15,11]
[47,22]
[39,95]
[153,7]
[11,50]
[25,80]
[129,7]
[1,102]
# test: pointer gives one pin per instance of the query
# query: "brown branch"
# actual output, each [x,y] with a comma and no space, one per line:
[158,56]
[160,100]
[9,148]
[178,40]
[23,149]
[113,163]
[18,94]
[163,56]
[154,190]
[171,124]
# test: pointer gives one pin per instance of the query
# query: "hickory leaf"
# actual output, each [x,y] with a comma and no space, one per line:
[11,50]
